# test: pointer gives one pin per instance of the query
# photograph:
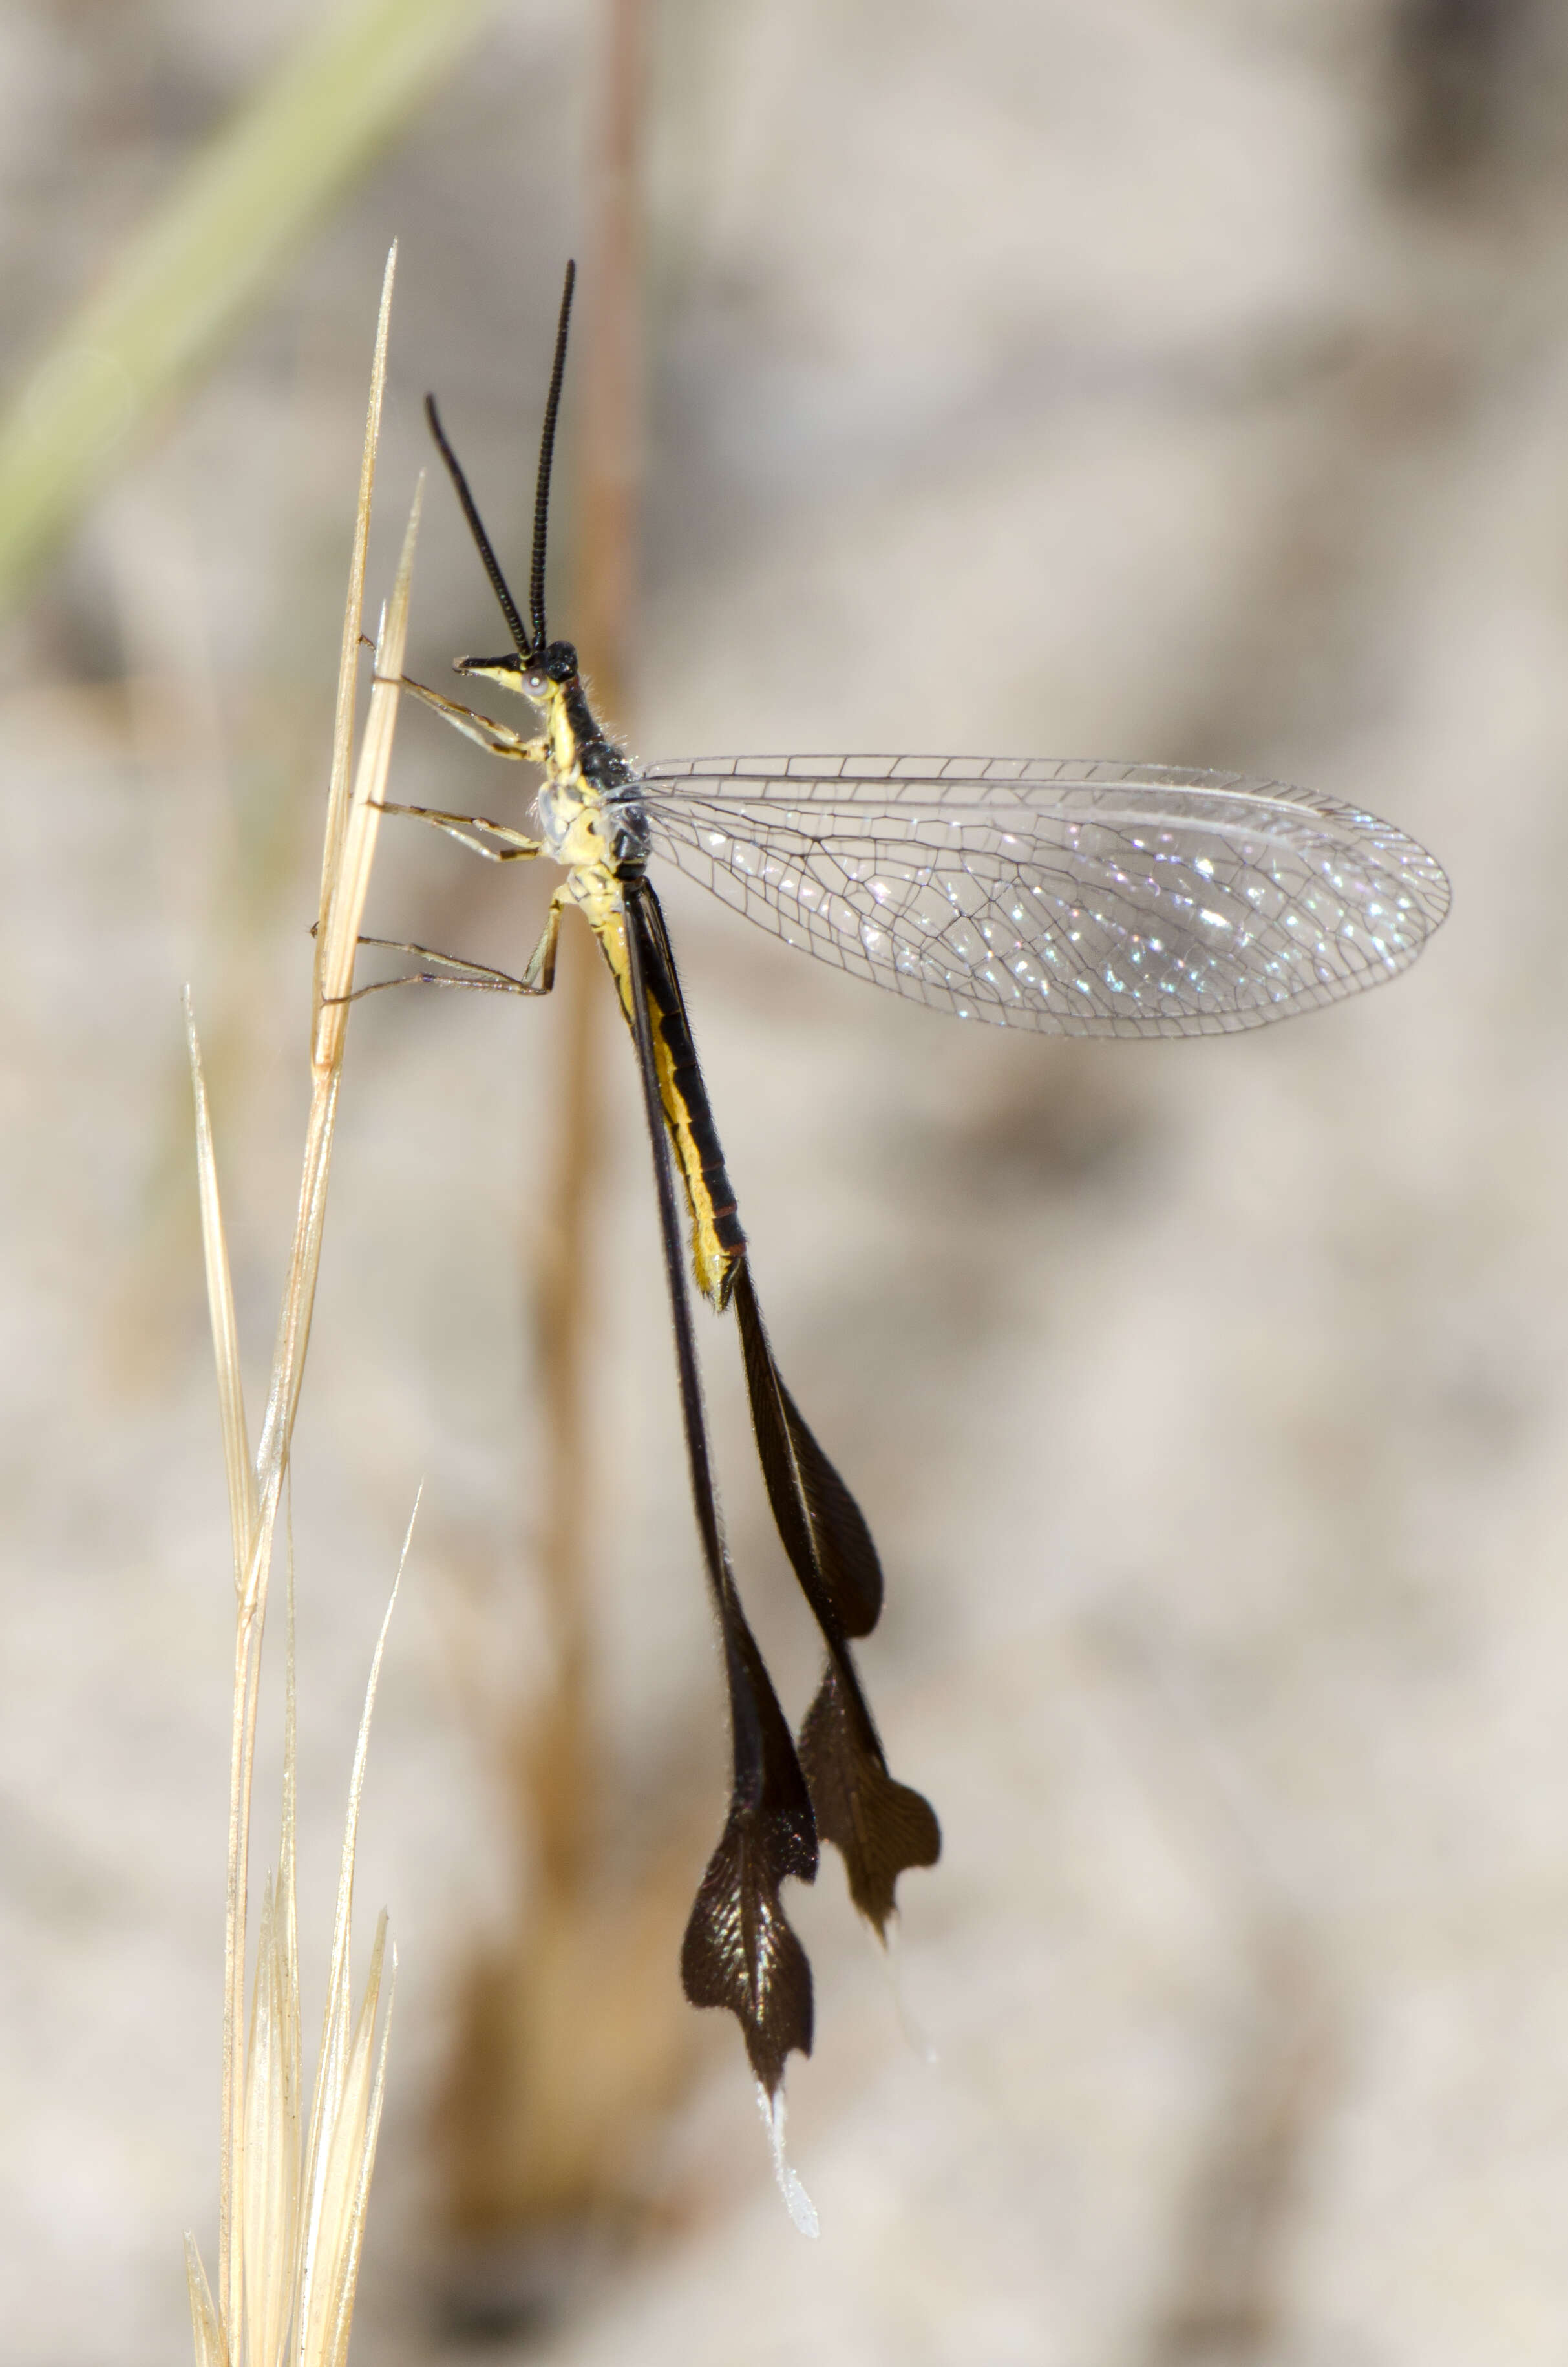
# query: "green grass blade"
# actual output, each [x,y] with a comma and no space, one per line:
[207,254]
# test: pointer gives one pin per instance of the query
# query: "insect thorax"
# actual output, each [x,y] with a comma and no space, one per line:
[588,806]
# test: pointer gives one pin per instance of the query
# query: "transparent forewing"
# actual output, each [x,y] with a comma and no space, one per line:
[1079,898]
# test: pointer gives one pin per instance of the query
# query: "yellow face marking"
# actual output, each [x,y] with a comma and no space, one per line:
[562,737]
[550,702]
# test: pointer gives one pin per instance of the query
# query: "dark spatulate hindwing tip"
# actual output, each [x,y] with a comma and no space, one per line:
[739,1952]
[881,1828]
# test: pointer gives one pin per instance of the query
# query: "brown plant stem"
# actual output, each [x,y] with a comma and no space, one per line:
[558,2069]
[558,1756]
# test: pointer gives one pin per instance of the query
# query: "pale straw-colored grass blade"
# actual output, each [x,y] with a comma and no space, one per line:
[342,2128]
[343,894]
[270,2185]
[347,885]
[210,2350]
[271,2180]
[247,1527]
[353,615]
[291,2214]
[345,899]
[237,1467]
[335,2230]
[358,2202]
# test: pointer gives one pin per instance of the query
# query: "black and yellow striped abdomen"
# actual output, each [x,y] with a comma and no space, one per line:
[718,1245]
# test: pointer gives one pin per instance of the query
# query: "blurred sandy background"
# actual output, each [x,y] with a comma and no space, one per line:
[1171,378]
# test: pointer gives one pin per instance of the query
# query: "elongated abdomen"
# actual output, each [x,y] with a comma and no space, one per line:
[718,1243]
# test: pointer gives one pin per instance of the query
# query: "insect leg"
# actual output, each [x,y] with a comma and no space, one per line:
[496,738]
[539,972]
[515,845]
[467,973]
[538,977]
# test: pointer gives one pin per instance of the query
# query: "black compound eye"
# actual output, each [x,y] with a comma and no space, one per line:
[561,662]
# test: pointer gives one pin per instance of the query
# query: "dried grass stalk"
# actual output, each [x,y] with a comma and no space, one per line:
[292,2201]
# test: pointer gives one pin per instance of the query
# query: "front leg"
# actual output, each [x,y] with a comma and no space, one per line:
[495,738]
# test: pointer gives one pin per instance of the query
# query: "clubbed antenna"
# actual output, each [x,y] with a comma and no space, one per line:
[475,527]
[546,450]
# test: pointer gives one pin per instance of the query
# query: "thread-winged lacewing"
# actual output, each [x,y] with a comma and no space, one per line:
[1078,898]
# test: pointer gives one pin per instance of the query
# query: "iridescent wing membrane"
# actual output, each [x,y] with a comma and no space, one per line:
[1076,899]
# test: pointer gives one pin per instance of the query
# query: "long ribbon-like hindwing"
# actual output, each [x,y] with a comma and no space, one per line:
[739,1950]
[880,1826]
[822,1527]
